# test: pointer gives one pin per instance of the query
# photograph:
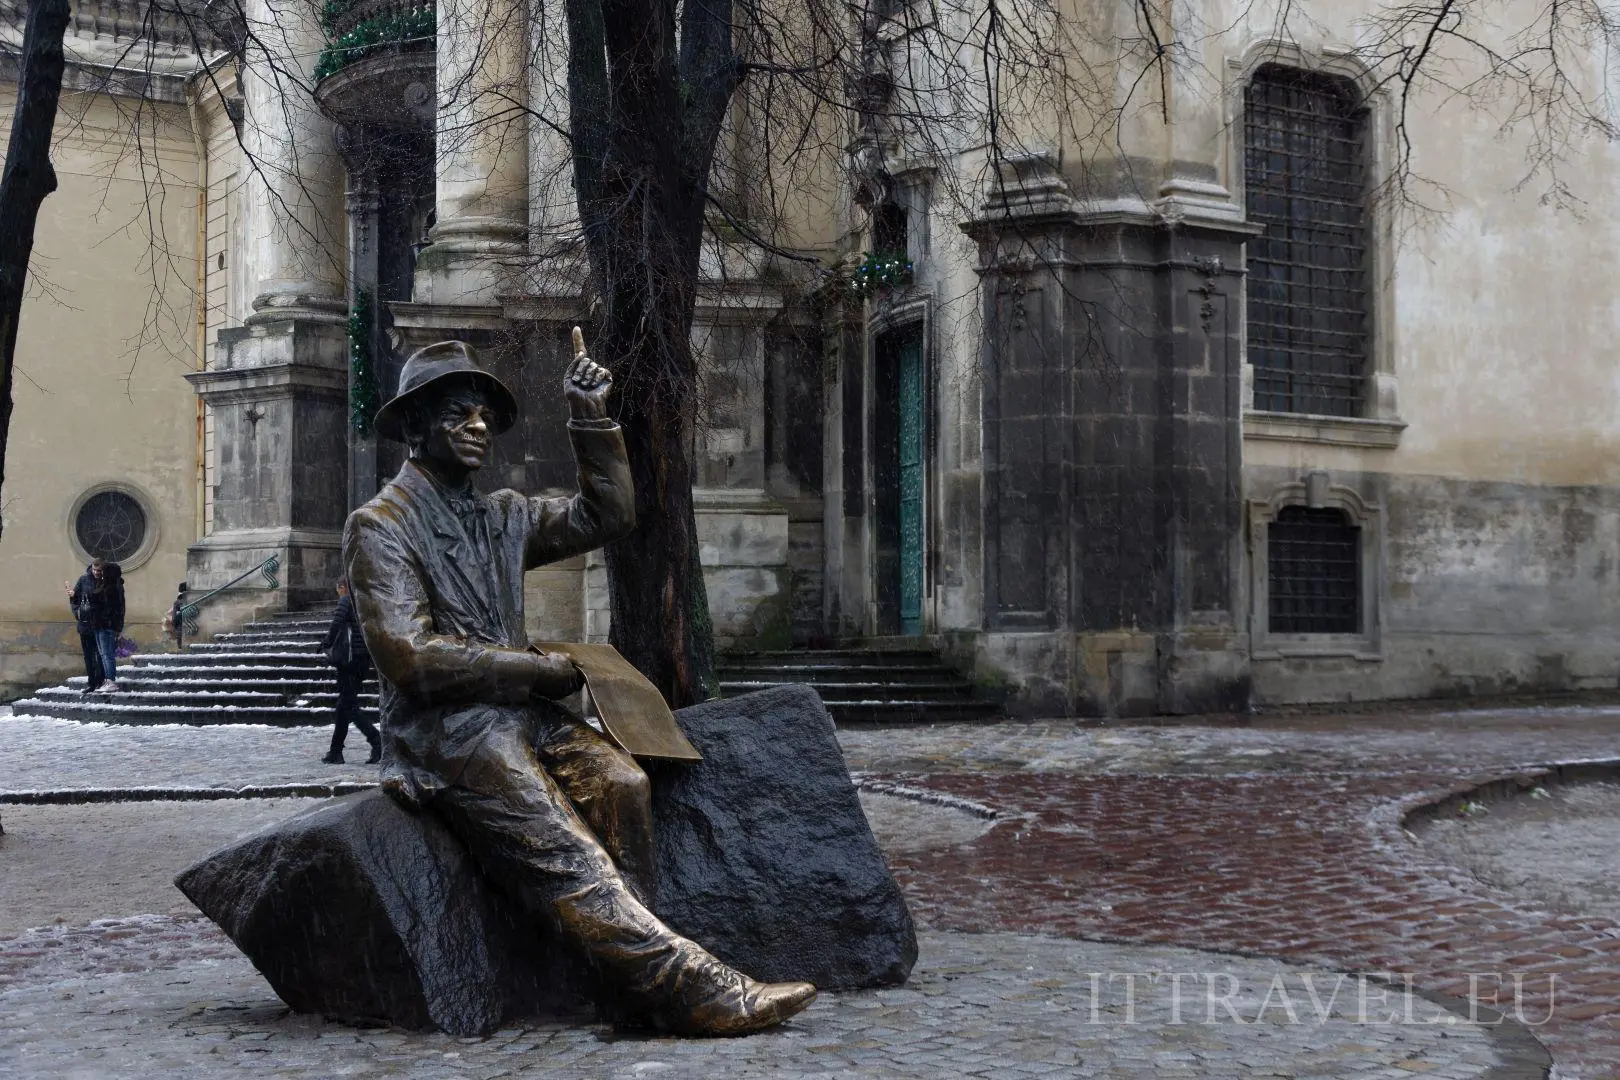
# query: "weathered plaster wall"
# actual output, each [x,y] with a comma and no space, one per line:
[107,332]
[1488,587]
[1495,328]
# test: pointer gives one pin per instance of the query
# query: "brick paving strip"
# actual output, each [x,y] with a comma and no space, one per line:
[1309,868]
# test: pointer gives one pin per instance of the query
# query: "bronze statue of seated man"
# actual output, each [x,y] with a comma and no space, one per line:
[554,814]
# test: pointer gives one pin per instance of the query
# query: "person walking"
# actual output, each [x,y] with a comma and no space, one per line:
[97,600]
[345,648]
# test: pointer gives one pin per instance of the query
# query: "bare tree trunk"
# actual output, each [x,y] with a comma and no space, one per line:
[28,178]
[646,115]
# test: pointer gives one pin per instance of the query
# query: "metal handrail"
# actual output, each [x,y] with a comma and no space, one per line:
[185,614]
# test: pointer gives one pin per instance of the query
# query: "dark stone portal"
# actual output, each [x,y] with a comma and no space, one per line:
[363,911]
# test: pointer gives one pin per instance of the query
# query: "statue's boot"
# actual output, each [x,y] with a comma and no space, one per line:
[708,997]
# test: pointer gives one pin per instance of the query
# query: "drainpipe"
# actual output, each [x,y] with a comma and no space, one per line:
[200,520]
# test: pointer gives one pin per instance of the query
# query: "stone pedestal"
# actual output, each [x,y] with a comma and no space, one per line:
[279,396]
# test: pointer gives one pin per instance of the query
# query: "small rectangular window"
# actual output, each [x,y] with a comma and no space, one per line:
[1313,572]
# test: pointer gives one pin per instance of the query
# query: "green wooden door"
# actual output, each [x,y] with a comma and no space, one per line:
[912,401]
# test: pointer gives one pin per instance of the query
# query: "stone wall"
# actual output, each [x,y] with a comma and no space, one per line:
[1485,587]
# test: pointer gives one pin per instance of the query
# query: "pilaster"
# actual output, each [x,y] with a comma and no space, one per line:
[1112,448]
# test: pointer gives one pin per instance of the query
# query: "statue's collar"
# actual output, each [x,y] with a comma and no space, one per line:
[465,494]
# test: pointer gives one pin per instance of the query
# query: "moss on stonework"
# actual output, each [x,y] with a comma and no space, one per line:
[773,625]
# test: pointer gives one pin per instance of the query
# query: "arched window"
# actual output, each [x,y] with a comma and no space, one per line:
[1304,175]
[1313,570]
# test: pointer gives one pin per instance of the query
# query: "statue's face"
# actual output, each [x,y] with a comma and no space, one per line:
[459,426]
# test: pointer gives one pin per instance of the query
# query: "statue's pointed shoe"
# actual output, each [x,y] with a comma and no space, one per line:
[747,1007]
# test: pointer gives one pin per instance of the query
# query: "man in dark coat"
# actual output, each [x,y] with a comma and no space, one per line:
[97,600]
[351,675]
[554,814]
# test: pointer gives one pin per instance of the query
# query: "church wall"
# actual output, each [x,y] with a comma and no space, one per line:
[108,331]
[1493,567]
[1482,475]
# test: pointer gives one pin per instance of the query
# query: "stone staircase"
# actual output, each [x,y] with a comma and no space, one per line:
[877,683]
[269,672]
[273,672]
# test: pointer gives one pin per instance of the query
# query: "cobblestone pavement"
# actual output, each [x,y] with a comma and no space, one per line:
[1003,1005]
[45,754]
[1279,839]
[1557,845]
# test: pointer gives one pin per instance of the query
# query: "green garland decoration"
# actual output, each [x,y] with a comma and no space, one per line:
[880,270]
[333,12]
[413,28]
[363,376]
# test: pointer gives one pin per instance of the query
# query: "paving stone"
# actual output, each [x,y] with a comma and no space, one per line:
[172,998]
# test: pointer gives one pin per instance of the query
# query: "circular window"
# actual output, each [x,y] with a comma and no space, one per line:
[110,524]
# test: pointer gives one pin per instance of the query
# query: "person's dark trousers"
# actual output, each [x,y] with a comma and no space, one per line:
[92,659]
[348,712]
[107,646]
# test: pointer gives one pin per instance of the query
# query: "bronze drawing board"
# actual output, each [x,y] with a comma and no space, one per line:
[633,712]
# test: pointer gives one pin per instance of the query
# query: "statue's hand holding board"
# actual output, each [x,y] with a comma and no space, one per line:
[587,384]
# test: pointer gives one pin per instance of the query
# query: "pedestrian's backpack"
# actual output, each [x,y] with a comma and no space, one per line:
[341,653]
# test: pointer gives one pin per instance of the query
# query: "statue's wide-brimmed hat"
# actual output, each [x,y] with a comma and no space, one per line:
[434,364]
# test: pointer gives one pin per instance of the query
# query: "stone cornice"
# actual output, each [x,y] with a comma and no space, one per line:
[234,386]
[1368,434]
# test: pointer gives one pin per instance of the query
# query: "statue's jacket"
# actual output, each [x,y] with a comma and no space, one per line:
[444,629]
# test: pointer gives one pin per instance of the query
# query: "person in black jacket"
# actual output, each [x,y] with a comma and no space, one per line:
[97,600]
[353,667]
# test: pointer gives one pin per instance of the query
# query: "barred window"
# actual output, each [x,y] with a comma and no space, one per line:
[1314,572]
[1304,175]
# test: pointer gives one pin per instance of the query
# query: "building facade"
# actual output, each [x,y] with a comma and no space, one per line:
[1179,409]
[105,451]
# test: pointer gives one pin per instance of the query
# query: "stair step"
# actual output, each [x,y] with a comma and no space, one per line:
[130,693]
[254,637]
[901,657]
[833,675]
[891,682]
[279,659]
[110,711]
[254,648]
[827,669]
[912,712]
[142,679]
[830,692]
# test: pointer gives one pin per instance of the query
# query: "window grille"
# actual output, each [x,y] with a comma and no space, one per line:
[111,525]
[1304,175]
[1314,572]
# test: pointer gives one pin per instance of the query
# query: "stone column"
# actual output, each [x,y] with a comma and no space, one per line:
[364,225]
[294,203]
[482,173]
[278,390]
[555,231]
